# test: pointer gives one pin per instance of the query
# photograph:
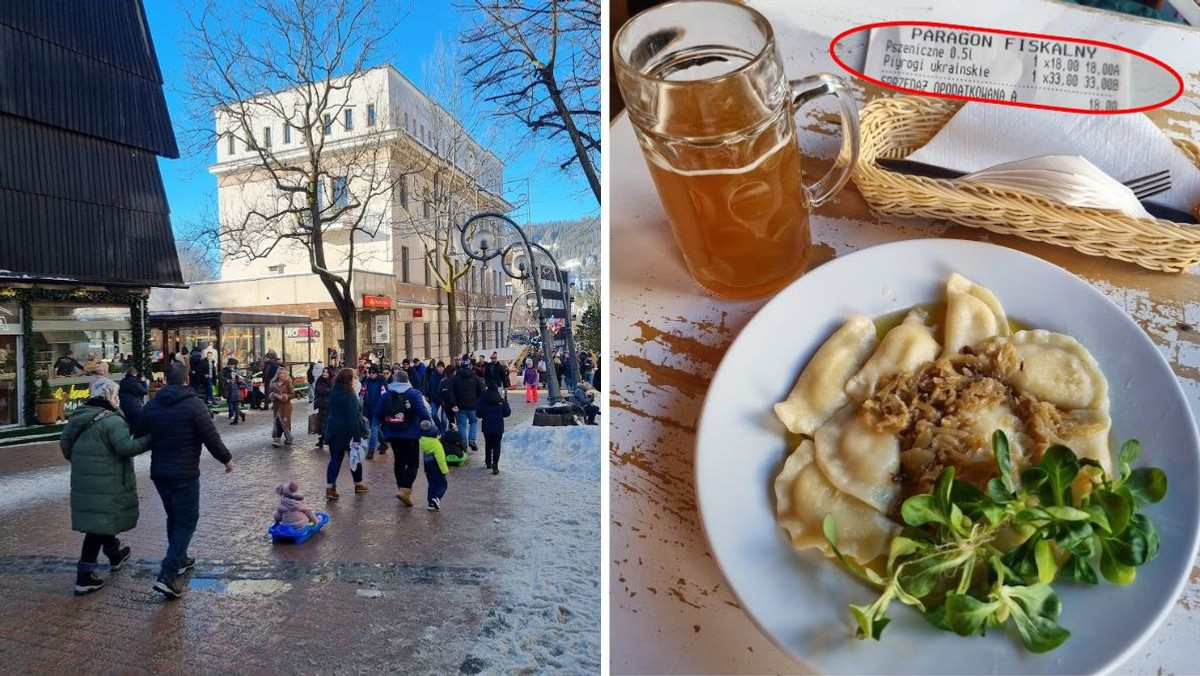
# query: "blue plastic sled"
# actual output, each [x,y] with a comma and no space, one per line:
[282,532]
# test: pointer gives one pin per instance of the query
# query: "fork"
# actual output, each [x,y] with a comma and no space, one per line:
[1150,184]
[1142,186]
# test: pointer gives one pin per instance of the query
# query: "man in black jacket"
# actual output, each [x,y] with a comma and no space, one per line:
[494,373]
[178,424]
[465,390]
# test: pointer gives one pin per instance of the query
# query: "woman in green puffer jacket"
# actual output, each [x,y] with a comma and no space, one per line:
[104,499]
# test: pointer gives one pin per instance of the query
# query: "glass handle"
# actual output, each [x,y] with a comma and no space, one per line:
[813,87]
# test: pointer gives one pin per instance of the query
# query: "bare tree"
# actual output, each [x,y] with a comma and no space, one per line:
[273,68]
[539,61]
[464,178]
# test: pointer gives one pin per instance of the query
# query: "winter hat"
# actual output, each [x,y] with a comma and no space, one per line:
[529,362]
[290,487]
[428,429]
[176,373]
[104,388]
[466,361]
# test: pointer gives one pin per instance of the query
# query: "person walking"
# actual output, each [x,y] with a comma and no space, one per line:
[178,424]
[373,388]
[231,385]
[343,425]
[465,389]
[558,367]
[446,398]
[400,413]
[433,391]
[132,392]
[314,371]
[104,497]
[494,372]
[281,393]
[199,372]
[531,382]
[493,409]
[436,470]
[321,389]
[587,366]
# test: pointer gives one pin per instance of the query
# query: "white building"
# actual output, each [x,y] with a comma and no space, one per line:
[390,148]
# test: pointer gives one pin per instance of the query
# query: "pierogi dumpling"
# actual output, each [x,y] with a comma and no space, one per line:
[1058,369]
[858,460]
[972,314]
[804,495]
[820,390]
[904,348]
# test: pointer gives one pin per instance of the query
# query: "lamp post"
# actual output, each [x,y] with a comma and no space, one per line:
[480,240]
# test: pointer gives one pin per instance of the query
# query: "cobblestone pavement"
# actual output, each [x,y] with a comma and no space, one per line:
[478,587]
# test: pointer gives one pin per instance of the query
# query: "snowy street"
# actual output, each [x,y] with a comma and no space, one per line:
[504,579]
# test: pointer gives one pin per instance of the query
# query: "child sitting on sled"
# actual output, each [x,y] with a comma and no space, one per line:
[293,510]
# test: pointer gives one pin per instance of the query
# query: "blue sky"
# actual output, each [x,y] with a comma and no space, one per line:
[191,189]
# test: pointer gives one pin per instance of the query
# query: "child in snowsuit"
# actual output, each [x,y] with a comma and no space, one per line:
[436,470]
[293,510]
[531,382]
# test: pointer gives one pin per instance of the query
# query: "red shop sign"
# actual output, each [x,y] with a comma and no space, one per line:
[377,302]
[418,312]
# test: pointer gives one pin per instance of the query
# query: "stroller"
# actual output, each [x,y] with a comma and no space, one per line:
[456,449]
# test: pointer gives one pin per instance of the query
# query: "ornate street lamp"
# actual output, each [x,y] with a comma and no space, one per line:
[480,236]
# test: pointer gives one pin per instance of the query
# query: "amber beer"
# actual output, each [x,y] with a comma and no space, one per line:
[714,114]
[743,231]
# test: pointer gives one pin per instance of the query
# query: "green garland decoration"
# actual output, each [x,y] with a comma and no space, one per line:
[30,357]
[25,297]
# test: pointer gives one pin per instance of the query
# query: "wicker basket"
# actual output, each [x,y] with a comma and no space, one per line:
[895,127]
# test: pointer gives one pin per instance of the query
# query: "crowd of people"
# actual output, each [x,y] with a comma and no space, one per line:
[424,412]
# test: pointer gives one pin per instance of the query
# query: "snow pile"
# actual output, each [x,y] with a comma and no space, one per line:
[573,451]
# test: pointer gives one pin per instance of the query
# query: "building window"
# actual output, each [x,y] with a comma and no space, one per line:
[370,114]
[404,264]
[340,193]
[428,341]
[328,124]
[408,339]
[428,275]
[276,269]
[321,194]
[349,115]
[287,133]
[267,136]
[424,138]
[231,141]
[404,191]
[426,209]
[406,127]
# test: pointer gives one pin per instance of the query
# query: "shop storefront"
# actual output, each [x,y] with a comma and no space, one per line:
[63,338]
[245,336]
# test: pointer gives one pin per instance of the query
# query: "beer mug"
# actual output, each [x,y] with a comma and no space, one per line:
[704,86]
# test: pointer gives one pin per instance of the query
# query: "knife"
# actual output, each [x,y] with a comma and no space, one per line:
[911,168]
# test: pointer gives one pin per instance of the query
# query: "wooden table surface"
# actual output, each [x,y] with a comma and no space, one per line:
[672,611]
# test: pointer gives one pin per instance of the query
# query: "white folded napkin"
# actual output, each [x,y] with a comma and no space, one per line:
[982,135]
[1068,179]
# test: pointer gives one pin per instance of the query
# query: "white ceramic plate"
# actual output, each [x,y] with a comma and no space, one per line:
[799,599]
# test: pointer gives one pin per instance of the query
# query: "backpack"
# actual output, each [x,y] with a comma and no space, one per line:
[400,414]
